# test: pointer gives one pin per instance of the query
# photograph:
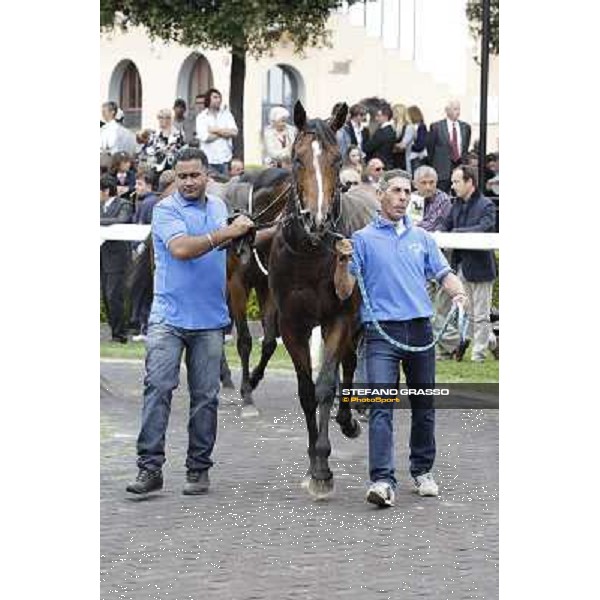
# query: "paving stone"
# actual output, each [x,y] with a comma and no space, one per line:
[258,535]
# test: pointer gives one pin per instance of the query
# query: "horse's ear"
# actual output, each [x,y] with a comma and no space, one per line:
[299,116]
[339,119]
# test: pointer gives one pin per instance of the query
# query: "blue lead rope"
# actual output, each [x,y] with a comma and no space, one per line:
[456,313]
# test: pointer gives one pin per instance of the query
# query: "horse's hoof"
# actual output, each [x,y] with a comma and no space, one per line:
[320,489]
[305,483]
[351,429]
[249,411]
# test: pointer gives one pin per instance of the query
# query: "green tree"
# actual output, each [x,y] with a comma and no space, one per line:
[475,14]
[245,27]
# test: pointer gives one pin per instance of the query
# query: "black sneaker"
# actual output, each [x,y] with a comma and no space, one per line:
[146,481]
[196,483]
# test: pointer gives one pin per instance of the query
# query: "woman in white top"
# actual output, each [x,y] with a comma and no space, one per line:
[278,138]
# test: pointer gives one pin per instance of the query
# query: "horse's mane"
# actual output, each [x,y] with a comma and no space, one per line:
[359,207]
[236,194]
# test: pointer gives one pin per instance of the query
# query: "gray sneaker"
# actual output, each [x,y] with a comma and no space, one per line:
[425,485]
[197,482]
[381,494]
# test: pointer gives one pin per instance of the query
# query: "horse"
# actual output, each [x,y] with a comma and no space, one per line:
[263,196]
[263,200]
[301,277]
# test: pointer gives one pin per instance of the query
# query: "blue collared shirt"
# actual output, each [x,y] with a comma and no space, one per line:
[395,268]
[190,294]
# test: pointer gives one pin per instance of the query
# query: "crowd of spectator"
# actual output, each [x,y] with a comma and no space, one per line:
[136,173]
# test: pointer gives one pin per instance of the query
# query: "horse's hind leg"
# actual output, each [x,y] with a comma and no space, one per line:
[349,426]
[269,322]
[297,346]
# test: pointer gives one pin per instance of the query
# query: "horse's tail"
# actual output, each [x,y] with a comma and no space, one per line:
[140,274]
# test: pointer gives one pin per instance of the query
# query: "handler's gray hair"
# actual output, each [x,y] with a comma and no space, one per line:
[387,176]
[425,171]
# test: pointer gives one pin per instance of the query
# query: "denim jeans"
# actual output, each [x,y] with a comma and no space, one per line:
[382,365]
[164,348]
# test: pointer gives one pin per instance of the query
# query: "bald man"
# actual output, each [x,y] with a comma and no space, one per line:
[448,144]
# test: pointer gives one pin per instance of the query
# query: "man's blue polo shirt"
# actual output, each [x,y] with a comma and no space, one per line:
[396,268]
[190,294]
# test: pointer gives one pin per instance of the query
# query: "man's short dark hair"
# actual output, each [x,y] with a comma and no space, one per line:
[180,103]
[469,173]
[108,182]
[386,111]
[188,153]
[209,93]
[148,177]
[357,109]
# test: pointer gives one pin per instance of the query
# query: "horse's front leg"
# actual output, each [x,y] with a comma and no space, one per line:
[336,336]
[297,345]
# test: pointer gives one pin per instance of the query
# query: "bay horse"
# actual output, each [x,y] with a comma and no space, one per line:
[301,277]
[263,200]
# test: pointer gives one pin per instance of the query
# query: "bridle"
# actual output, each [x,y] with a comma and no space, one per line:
[299,224]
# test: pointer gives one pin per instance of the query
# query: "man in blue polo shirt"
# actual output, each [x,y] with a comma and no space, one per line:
[396,260]
[189,311]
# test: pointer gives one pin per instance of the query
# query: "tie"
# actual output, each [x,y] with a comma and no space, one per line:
[455,152]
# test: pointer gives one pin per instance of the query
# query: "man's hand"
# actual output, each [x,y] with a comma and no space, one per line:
[241,225]
[343,250]
[461,299]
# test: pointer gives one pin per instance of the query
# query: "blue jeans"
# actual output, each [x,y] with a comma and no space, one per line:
[164,348]
[382,365]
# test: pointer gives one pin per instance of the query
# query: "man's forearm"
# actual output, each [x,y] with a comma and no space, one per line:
[187,247]
[344,282]
[452,285]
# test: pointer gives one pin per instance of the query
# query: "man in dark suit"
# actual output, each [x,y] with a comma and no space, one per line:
[473,212]
[353,133]
[448,144]
[381,144]
[114,257]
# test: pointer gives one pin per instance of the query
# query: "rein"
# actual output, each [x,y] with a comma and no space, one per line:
[456,313]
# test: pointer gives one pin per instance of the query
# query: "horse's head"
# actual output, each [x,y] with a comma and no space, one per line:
[316,163]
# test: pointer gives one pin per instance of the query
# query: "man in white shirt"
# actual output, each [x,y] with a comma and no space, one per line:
[216,128]
[113,136]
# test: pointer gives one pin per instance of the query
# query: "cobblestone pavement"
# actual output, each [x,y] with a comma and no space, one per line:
[258,535]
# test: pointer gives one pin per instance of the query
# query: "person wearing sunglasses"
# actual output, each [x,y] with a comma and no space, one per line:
[374,171]
[396,260]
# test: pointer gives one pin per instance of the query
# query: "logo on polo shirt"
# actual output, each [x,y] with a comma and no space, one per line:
[416,247]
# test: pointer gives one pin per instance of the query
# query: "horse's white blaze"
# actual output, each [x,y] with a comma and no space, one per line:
[316,148]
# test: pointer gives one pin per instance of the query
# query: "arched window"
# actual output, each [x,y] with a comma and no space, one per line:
[195,77]
[130,97]
[283,86]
